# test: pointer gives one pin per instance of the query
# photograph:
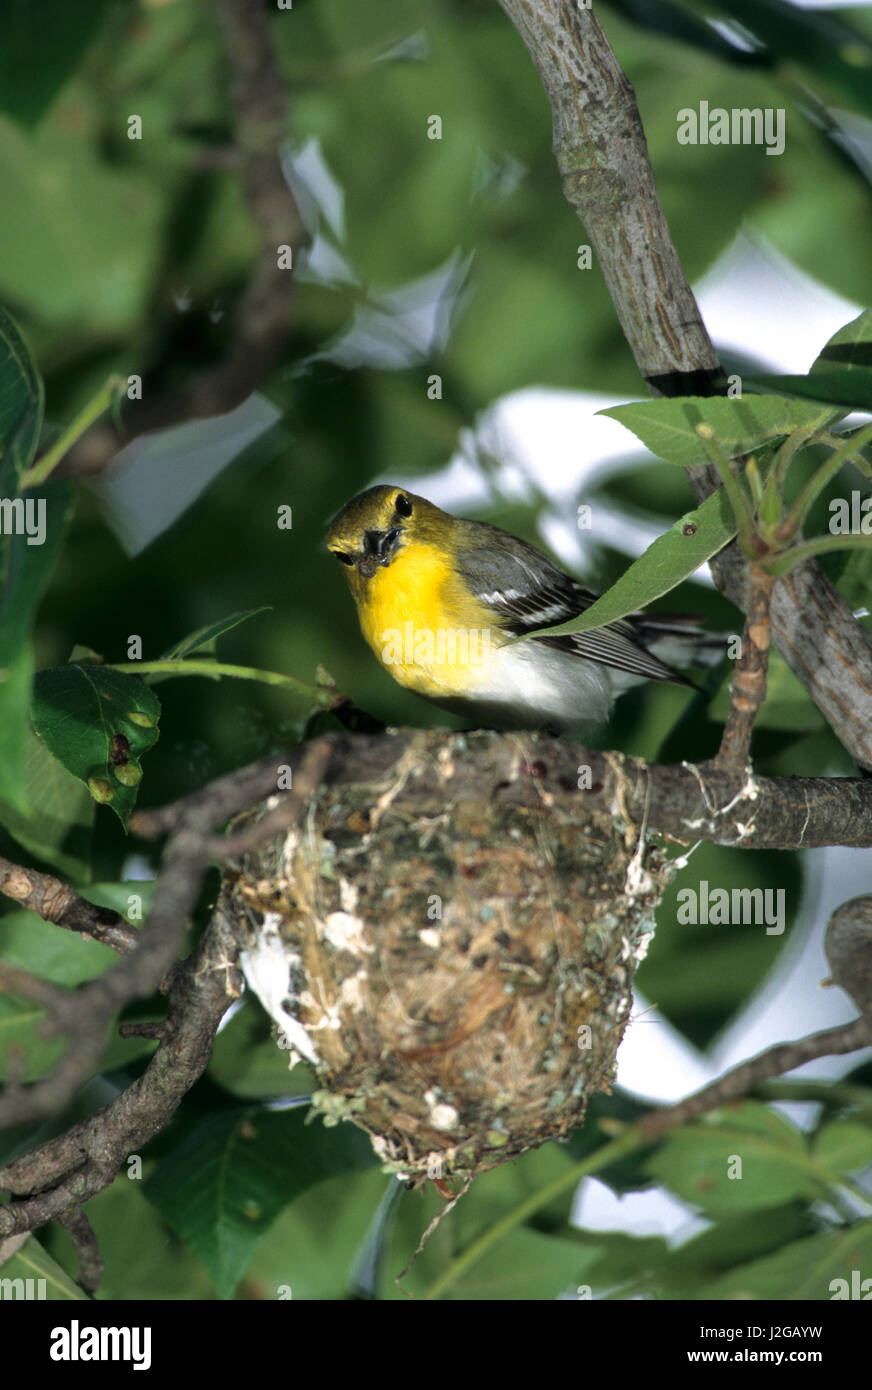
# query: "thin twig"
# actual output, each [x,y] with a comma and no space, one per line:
[314,763]
[228,794]
[58,903]
[154,1030]
[748,689]
[775,1061]
[81,1232]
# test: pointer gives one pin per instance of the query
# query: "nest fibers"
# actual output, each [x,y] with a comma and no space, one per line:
[450,951]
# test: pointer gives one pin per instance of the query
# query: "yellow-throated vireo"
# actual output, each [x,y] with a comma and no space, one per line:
[451,609]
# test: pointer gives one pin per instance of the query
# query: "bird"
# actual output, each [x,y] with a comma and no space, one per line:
[453,608]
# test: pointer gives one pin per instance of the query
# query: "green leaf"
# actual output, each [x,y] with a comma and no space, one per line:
[224,1184]
[842,371]
[61,957]
[25,570]
[821,1267]
[21,405]
[740,1237]
[843,1146]
[829,49]
[701,975]
[97,723]
[40,47]
[86,231]
[624,1259]
[855,581]
[850,387]
[312,1247]
[663,17]
[528,1265]
[817,545]
[368,30]
[55,824]
[153,1266]
[27,560]
[205,638]
[247,1063]
[116,896]
[689,542]
[850,348]
[740,424]
[765,1154]
[15,677]
[34,1263]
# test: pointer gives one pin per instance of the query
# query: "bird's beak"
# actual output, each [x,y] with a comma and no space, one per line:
[378,549]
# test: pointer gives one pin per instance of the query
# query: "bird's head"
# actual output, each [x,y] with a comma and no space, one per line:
[374,526]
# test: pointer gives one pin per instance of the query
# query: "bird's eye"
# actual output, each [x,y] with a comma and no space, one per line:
[402,506]
[341,555]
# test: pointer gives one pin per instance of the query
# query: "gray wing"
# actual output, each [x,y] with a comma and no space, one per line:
[528,591]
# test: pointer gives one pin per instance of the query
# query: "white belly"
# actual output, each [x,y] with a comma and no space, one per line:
[526,685]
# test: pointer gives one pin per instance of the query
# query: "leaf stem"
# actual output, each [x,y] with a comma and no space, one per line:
[781,563]
[842,455]
[83,421]
[799,438]
[186,666]
[735,492]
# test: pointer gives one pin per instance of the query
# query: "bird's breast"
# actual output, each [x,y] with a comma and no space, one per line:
[428,634]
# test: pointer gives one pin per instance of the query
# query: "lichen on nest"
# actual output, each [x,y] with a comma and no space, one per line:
[451,952]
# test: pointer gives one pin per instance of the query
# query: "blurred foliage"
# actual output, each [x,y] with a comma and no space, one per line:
[455,256]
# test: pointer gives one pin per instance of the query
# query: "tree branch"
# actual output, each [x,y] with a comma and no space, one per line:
[602,154]
[737,1082]
[60,1175]
[748,690]
[85,1014]
[58,903]
[314,762]
[81,1232]
[603,157]
[226,795]
[686,802]
[848,947]
[69,1169]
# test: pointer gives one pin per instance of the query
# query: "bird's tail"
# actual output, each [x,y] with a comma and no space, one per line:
[679,639]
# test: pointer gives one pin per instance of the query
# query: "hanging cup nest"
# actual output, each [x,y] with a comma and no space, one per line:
[451,952]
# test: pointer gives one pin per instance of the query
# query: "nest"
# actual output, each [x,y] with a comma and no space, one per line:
[450,951]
